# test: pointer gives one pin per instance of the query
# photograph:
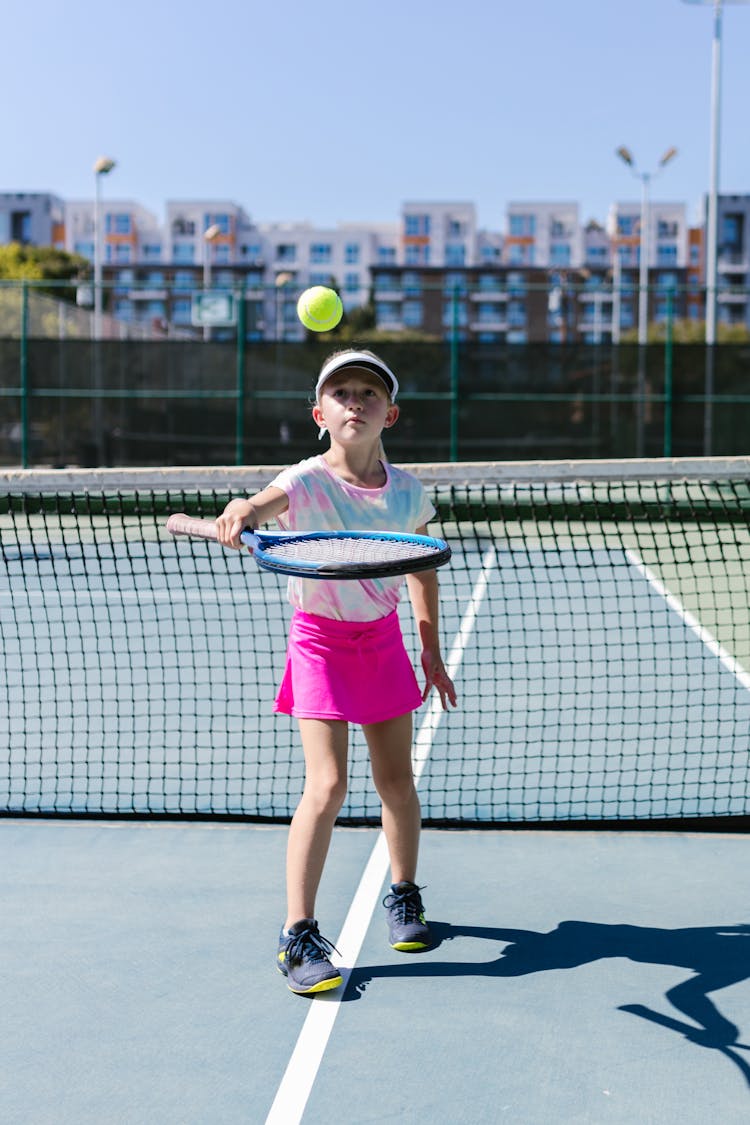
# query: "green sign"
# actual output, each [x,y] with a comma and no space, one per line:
[213,310]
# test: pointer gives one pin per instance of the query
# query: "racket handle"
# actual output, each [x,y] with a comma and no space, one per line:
[180,524]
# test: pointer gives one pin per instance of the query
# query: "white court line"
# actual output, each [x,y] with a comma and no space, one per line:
[304,1063]
[692,622]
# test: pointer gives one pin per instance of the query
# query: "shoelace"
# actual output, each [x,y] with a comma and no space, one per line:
[407,905]
[309,945]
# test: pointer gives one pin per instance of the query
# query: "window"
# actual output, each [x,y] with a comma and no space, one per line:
[221,252]
[184,279]
[387,312]
[416,225]
[386,254]
[455,254]
[320,278]
[183,226]
[627,224]
[731,231]
[456,283]
[559,254]
[286,252]
[352,253]
[666,255]
[454,228]
[412,283]
[85,249]
[596,255]
[695,255]
[416,255]
[154,277]
[517,314]
[120,253]
[413,313]
[520,255]
[523,226]
[455,312]
[666,229]
[386,282]
[181,311]
[222,221]
[252,250]
[151,251]
[20,226]
[254,279]
[118,223]
[490,283]
[123,309]
[351,282]
[183,252]
[516,285]
[321,253]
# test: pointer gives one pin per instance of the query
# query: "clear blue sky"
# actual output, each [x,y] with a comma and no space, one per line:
[481,100]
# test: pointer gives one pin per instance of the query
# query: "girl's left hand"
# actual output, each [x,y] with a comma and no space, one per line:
[436,677]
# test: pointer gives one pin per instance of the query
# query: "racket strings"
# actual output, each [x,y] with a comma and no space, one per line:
[343,550]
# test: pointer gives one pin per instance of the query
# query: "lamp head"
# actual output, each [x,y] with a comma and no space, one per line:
[626,155]
[668,155]
[103,164]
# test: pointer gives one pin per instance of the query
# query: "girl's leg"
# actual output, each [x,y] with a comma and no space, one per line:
[325,747]
[390,755]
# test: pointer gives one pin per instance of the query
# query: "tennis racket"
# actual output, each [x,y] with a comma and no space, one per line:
[330,554]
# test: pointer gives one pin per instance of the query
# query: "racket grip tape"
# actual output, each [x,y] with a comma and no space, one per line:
[180,524]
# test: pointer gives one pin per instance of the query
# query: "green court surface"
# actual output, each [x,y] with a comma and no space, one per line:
[577,977]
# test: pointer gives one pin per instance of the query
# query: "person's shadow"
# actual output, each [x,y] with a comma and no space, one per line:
[719,956]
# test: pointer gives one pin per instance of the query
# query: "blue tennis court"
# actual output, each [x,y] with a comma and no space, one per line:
[587,968]
[578,977]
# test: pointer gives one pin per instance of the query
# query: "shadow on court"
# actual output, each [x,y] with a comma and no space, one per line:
[718,955]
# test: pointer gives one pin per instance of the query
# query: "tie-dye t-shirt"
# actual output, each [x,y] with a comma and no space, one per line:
[321,501]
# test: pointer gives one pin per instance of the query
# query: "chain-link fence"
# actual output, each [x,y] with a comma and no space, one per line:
[67,401]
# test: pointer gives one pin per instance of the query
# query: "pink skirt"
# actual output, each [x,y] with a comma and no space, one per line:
[355,671]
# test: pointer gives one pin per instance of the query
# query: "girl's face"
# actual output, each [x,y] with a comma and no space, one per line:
[354,406]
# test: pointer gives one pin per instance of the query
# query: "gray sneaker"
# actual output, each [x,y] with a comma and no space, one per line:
[407,928]
[303,959]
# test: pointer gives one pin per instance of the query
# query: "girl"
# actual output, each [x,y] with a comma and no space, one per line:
[346,660]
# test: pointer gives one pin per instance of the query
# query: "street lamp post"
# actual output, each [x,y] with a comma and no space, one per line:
[102,166]
[210,235]
[645,177]
[713,191]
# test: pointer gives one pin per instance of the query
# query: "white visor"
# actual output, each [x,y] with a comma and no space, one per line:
[362,360]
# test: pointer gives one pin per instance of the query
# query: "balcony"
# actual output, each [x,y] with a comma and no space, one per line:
[732,261]
[148,294]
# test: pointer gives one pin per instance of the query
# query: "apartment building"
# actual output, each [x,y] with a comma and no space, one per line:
[32,218]
[733,260]
[546,276]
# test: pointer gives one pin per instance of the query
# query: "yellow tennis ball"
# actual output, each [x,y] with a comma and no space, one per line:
[320,308]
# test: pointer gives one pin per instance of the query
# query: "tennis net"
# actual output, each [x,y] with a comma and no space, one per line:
[596,617]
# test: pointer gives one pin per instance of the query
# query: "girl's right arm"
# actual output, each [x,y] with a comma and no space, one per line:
[258,509]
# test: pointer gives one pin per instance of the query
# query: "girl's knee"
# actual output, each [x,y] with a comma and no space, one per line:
[395,790]
[326,794]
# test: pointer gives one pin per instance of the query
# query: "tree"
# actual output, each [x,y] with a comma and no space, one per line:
[42,263]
